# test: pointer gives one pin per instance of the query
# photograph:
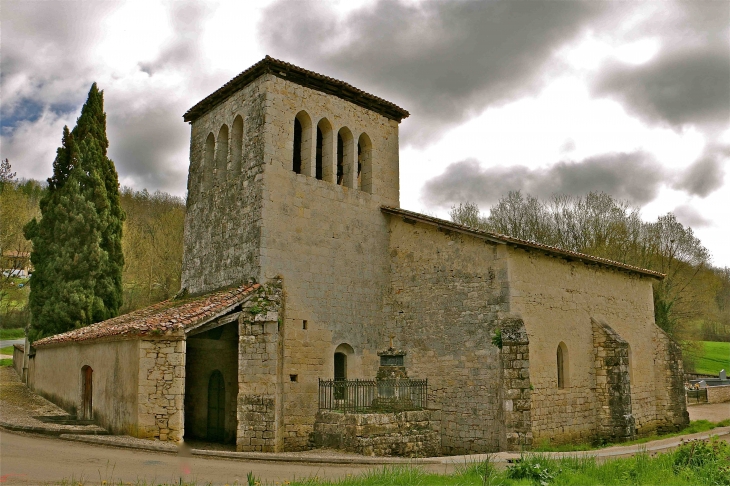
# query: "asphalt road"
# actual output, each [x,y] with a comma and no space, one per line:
[26,459]
[10,342]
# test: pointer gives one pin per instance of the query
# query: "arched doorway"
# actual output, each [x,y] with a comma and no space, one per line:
[216,406]
[86,392]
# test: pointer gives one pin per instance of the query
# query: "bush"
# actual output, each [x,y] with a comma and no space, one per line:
[534,467]
[709,460]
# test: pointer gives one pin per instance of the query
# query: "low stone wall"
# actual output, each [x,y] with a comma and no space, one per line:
[408,434]
[718,394]
[18,359]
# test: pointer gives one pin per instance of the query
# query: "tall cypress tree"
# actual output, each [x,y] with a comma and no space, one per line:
[77,244]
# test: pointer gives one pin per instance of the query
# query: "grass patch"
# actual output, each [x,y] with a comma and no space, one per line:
[12,333]
[694,427]
[714,357]
[6,350]
[6,362]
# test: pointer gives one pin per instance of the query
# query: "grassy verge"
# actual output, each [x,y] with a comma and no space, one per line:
[6,350]
[694,427]
[6,362]
[12,333]
[714,357]
[695,463]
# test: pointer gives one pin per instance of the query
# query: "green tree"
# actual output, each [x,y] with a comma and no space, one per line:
[77,243]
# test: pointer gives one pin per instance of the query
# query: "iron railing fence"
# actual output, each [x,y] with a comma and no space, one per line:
[365,396]
[697,396]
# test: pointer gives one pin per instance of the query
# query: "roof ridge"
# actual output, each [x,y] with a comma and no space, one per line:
[527,243]
[301,76]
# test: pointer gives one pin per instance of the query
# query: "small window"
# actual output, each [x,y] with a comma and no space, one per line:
[562,365]
[237,145]
[304,324]
[319,162]
[364,164]
[340,160]
[345,158]
[221,155]
[324,169]
[294,378]
[297,162]
[207,171]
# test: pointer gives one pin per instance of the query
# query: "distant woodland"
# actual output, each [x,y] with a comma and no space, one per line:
[152,243]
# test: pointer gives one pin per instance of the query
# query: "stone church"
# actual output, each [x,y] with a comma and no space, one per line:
[299,265]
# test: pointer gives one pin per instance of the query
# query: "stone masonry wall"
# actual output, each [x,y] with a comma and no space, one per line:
[447,293]
[409,434]
[223,218]
[161,389]
[259,372]
[515,393]
[329,243]
[557,300]
[670,400]
[613,385]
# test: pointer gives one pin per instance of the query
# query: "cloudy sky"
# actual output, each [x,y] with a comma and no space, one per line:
[562,96]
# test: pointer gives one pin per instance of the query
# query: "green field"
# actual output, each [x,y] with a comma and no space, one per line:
[713,357]
[12,333]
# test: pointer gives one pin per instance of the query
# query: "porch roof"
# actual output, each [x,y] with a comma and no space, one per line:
[168,318]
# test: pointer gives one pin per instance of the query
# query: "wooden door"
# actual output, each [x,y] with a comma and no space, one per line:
[87,393]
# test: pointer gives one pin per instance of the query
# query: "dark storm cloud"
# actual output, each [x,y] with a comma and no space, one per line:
[704,176]
[443,61]
[689,216]
[634,177]
[689,80]
[145,145]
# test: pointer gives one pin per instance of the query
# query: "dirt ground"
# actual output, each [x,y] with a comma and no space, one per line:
[714,412]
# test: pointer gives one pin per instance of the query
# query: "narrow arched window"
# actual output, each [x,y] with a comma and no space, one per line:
[345,158]
[301,152]
[237,146]
[221,155]
[318,169]
[324,152]
[297,161]
[207,170]
[364,164]
[340,160]
[562,365]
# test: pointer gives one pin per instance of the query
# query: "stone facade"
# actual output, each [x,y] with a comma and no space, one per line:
[161,389]
[259,372]
[414,433]
[447,291]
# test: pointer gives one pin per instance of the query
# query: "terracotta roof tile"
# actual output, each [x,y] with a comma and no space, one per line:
[170,317]
[500,238]
[300,76]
